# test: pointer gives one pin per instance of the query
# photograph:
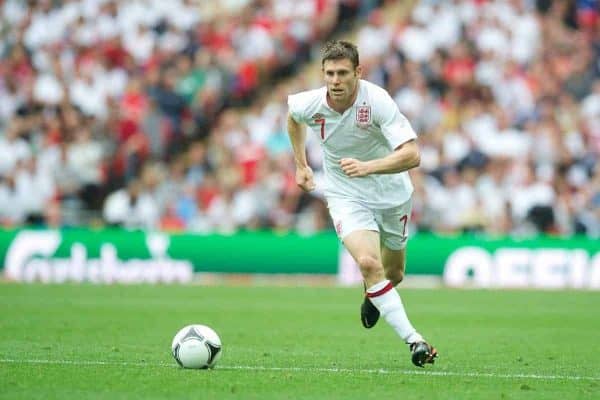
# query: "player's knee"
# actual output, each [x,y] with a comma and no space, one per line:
[395,276]
[369,265]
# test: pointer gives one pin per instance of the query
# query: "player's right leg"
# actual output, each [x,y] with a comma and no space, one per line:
[357,229]
[363,245]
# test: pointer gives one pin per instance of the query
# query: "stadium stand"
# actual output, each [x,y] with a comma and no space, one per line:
[141,115]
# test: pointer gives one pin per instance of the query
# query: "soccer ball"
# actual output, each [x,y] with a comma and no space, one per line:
[196,346]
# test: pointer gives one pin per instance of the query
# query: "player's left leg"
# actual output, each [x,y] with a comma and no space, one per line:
[394,272]
[393,263]
[394,236]
[393,225]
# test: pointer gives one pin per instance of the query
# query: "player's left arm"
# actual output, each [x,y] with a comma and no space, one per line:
[400,136]
[403,158]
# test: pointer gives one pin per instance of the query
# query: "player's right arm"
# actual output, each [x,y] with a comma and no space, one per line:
[304,174]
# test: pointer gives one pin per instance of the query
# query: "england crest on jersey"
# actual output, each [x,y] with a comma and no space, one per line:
[317,116]
[363,116]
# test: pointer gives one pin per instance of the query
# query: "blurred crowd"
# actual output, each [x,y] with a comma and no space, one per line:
[504,95]
[171,115]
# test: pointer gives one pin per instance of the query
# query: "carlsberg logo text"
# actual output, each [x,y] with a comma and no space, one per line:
[30,258]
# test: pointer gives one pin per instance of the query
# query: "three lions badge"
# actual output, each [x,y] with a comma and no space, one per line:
[363,116]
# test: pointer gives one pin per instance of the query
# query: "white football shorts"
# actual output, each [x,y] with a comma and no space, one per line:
[392,224]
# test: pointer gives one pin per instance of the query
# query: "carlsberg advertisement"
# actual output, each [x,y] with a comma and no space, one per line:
[120,256]
[51,256]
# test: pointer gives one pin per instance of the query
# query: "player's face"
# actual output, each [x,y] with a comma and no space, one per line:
[341,78]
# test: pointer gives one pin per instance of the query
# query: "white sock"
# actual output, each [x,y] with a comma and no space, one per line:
[386,299]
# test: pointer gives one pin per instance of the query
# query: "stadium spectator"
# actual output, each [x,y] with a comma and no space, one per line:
[131,207]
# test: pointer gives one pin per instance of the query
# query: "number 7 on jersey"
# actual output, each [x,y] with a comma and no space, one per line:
[322,122]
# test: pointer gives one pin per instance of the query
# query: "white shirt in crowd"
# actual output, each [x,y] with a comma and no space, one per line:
[118,209]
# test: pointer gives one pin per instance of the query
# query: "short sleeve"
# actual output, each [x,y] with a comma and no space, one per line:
[394,126]
[294,108]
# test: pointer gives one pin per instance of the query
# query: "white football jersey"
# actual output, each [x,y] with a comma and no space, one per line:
[371,128]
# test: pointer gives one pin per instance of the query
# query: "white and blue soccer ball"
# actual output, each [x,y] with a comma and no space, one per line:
[196,346]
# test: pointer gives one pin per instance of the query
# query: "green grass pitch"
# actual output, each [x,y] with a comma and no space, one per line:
[113,342]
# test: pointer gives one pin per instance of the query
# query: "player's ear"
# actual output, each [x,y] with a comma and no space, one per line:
[358,71]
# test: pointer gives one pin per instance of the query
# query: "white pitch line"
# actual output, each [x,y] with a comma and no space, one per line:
[327,370]
[420,372]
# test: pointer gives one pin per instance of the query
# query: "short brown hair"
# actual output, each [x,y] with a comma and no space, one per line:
[339,50]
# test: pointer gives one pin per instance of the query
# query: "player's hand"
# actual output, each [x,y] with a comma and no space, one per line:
[354,168]
[304,178]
